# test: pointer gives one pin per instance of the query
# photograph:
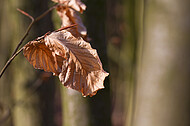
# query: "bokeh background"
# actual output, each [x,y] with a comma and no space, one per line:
[143,44]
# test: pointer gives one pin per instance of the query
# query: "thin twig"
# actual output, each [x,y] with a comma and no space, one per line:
[34,20]
[23,12]
[9,61]
[66,27]
[46,12]
[25,35]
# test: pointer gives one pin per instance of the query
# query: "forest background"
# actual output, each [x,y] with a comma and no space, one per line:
[143,44]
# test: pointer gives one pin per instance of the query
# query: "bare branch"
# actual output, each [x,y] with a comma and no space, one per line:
[25,35]
[46,12]
[28,15]
[70,26]
[34,20]
[9,61]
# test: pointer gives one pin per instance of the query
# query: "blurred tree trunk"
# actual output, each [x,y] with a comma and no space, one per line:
[94,111]
[12,86]
[46,87]
[74,108]
[163,85]
[5,81]
[100,105]
[27,94]
[121,37]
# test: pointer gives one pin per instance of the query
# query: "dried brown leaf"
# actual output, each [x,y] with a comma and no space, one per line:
[68,17]
[41,57]
[72,59]
[75,4]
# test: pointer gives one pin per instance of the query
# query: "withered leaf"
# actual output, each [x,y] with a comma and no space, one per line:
[75,62]
[75,4]
[41,57]
[68,17]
